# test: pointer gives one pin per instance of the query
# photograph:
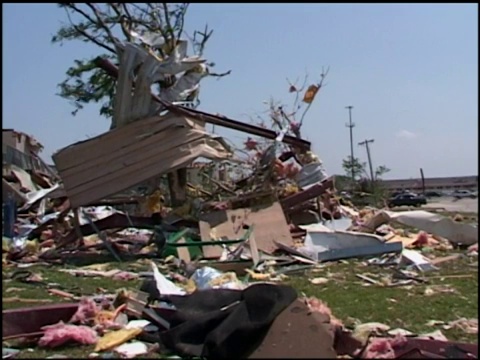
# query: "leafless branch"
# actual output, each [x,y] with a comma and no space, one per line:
[101,22]
[323,75]
[168,24]
[205,36]
[127,12]
[85,34]
[180,21]
[219,75]
[296,107]
[123,18]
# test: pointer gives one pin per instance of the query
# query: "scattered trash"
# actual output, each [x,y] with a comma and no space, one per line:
[116,338]
[224,242]
[468,326]
[319,281]
[132,349]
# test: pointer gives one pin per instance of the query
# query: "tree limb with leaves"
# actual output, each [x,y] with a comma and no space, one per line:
[106,25]
[157,27]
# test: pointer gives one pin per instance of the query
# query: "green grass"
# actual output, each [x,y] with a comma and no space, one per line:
[406,306]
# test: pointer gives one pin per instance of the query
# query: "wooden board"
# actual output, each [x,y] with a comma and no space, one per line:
[122,158]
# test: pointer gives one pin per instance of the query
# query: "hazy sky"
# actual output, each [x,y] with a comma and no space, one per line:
[410,71]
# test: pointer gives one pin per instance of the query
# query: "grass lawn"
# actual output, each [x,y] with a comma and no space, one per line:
[348,297]
[350,300]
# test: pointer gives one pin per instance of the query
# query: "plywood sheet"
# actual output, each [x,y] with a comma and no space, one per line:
[269,224]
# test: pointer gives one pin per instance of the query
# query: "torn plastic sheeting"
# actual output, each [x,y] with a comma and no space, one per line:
[204,278]
[334,245]
[96,213]
[33,197]
[436,224]
[25,229]
[176,63]
[165,286]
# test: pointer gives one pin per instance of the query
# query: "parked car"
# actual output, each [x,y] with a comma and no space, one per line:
[407,200]
[433,194]
[461,194]
[396,193]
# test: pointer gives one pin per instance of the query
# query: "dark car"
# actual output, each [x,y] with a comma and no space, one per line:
[433,194]
[407,200]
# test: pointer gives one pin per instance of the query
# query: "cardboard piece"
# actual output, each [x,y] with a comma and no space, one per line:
[298,333]
[269,225]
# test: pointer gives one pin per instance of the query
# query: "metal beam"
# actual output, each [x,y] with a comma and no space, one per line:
[112,70]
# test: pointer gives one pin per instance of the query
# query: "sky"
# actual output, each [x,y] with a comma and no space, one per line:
[410,71]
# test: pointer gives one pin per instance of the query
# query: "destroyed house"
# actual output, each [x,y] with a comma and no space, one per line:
[22,150]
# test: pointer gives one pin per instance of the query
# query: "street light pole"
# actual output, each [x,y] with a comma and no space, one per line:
[351,125]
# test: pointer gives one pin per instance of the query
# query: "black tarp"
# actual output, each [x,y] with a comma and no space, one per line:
[202,327]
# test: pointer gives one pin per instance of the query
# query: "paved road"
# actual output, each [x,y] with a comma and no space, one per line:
[452,204]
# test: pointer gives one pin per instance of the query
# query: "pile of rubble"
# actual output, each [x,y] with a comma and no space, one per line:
[281,216]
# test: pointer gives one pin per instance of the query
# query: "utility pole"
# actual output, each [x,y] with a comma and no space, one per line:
[351,125]
[366,142]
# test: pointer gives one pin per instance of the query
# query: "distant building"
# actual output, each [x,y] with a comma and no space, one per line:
[22,150]
[438,184]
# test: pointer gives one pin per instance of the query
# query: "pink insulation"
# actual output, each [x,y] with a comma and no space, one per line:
[423,239]
[61,333]
[473,248]
[384,348]
[125,276]
[318,306]
[87,309]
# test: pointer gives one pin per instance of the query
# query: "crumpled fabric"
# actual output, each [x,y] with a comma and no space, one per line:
[201,328]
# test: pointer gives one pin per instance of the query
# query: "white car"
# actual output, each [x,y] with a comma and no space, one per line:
[461,194]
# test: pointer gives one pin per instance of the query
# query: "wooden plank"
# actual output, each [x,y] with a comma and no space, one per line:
[129,153]
[183,252]
[123,95]
[134,163]
[126,178]
[116,176]
[104,142]
[142,97]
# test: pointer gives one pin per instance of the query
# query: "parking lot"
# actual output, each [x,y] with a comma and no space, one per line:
[452,204]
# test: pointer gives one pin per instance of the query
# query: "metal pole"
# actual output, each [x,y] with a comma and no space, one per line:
[423,181]
[366,142]
[351,125]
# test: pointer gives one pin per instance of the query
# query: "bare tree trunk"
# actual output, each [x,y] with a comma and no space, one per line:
[177,184]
